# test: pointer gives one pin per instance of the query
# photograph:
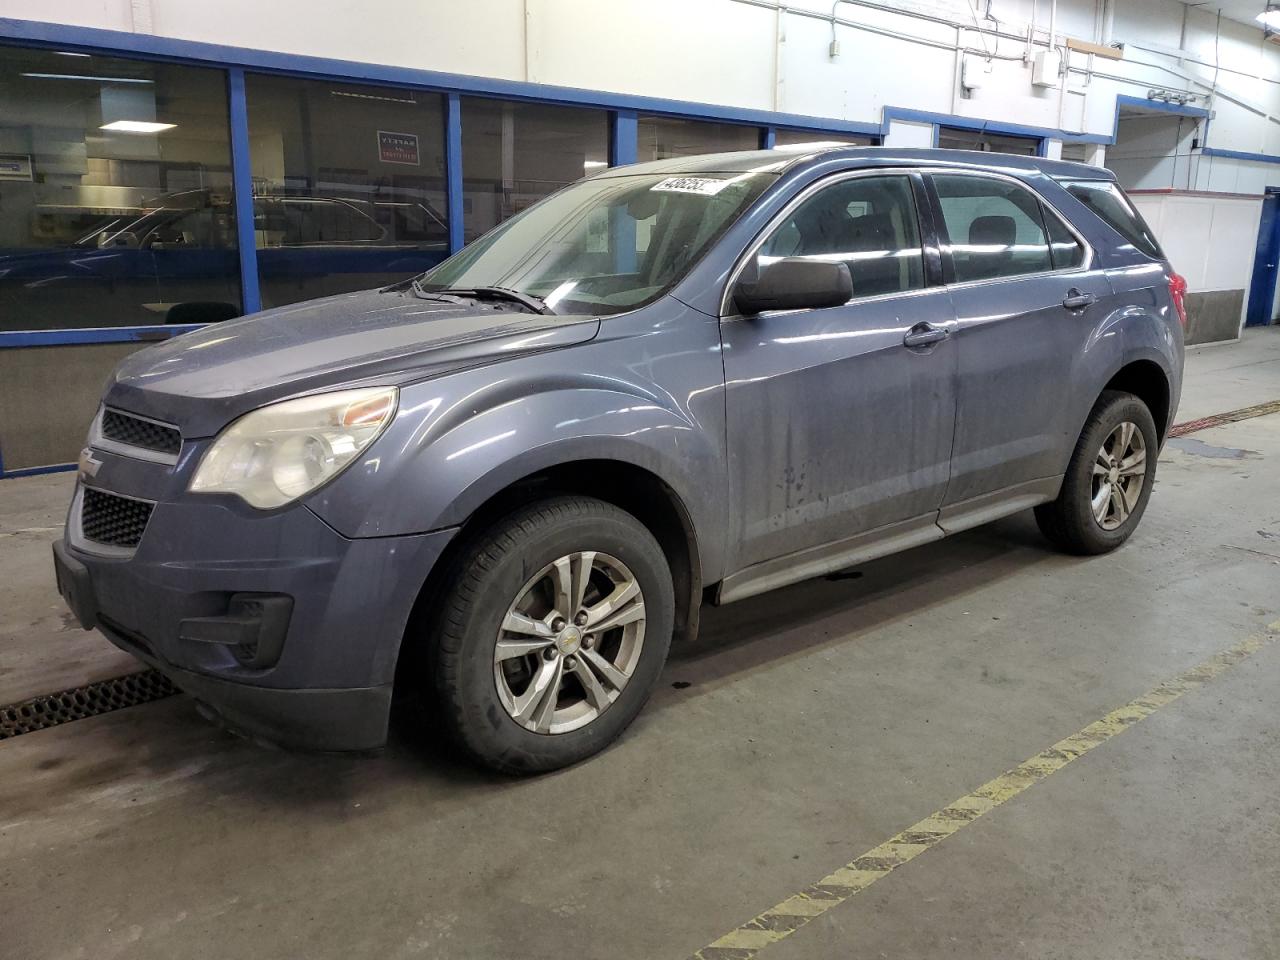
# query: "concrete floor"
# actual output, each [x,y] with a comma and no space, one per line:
[816,723]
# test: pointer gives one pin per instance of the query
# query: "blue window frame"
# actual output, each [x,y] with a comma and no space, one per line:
[242,272]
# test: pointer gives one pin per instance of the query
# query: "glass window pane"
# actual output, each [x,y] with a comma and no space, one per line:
[662,137]
[1109,202]
[115,193]
[817,139]
[957,138]
[1064,249]
[607,244]
[867,222]
[994,227]
[514,154]
[348,185]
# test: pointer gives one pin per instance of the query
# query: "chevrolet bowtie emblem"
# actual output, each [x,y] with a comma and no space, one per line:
[89,465]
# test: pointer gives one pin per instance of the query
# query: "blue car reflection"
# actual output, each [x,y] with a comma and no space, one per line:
[174,259]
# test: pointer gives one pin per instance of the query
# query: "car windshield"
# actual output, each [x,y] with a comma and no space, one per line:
[604,245]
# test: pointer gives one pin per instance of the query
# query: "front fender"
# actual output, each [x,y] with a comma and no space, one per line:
[433,468]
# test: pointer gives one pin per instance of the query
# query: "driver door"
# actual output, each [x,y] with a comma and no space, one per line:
[840,420]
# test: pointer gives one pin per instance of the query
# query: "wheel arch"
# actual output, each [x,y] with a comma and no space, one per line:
[626,485]
[1148,381]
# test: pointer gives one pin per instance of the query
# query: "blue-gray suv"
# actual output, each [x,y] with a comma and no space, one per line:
[501,488]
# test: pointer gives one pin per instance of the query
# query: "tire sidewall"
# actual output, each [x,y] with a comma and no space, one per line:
[1080,481]
[490,730]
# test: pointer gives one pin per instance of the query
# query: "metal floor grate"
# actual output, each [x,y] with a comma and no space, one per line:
[52,709]
[1217,419]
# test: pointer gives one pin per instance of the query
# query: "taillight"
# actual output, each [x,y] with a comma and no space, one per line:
[1178,294]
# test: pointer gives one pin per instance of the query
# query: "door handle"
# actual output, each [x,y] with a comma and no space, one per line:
[924,334]
[1075,300]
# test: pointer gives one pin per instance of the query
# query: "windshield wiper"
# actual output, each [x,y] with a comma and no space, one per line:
[422,293]
[526,300]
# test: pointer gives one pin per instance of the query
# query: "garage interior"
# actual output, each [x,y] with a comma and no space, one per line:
[977,748]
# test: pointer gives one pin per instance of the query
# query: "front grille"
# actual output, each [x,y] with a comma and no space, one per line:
[136,432]
[111,520]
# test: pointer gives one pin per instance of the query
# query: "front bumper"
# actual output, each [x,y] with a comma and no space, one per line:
[320,675]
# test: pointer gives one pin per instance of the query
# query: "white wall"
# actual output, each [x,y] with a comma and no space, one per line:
[744,53]
[1210,239]
[1200,234]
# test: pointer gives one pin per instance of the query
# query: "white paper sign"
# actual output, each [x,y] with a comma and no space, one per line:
[705,186]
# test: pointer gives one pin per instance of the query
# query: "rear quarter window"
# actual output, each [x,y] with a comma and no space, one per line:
[1108,201]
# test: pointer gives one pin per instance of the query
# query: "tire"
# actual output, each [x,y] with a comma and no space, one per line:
[1071,522]
[514,562]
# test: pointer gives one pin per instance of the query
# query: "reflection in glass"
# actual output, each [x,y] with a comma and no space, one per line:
[514,154]
[602,246]
[995,227]
[662,137]
[957,138]
[115,194]
[868,223]
[816,140]
[348,185]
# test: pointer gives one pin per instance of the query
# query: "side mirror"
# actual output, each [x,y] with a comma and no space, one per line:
[795,283]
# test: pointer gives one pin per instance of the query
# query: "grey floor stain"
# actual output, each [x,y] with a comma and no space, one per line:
[1201,449]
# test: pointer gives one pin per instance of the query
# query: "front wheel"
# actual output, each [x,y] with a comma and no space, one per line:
[1109,480]
[555,626]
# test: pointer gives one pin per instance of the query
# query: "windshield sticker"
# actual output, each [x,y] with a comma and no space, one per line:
[703,185]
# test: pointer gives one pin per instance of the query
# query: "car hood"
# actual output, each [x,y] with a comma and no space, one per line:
[203,380]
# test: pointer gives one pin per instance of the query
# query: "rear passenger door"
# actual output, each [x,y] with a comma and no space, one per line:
[1026,298]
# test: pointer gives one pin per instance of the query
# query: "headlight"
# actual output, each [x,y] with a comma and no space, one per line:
[278,453]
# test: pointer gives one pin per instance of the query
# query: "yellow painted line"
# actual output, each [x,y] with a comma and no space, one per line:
[790,915]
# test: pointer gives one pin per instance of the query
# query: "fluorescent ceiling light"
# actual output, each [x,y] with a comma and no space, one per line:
[77,76]
[136,126]
[1269,19]
[68,53]
[593,164]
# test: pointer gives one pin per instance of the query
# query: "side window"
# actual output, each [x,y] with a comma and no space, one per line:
[995,227]
[1109,202]
[868,222]
[1064,249]
[295,221]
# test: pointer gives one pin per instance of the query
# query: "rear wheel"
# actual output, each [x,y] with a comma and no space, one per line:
[1109,480]
[554,628]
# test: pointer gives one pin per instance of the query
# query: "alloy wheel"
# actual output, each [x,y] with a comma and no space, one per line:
[569,642]
[1119,472]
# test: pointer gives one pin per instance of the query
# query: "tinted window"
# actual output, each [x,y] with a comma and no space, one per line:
[115,193]
[994,228]
[867,222]
[348,183]
[1107,200]
[514,154]
[1064,249]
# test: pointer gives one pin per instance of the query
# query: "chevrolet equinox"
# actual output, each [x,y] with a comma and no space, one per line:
[505,485]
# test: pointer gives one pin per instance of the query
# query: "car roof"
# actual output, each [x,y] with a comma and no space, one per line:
[782,159]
